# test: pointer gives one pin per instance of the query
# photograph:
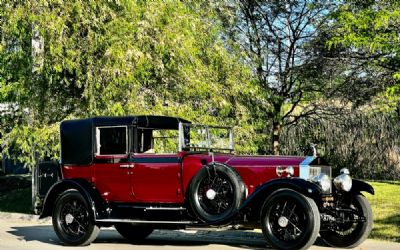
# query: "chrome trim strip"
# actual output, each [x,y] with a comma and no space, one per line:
[304,167]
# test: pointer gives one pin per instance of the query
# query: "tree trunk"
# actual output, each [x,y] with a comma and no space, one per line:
[276,133]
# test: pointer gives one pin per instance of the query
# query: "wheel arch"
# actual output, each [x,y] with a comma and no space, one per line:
[91,195]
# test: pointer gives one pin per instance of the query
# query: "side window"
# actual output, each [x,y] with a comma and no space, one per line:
[165,141]
[111,140]
[157,141]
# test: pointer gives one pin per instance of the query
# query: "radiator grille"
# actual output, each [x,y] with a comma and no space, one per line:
[317,170]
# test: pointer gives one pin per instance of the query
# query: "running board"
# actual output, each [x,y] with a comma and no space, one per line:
[153,208]
[146,221]
[160,208]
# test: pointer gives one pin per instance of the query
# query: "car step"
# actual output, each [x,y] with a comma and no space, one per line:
[161,208]
[144,221]
[145,208]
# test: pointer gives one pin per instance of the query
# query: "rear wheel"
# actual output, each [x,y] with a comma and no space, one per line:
[132,232]
[290,220]
[352,231]
[216,192]
[72,219]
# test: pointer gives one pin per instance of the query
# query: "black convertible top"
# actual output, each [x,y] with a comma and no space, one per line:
[78,136]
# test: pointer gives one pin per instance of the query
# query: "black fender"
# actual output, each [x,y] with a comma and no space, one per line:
[359,186]
[88,191]
[302,186]
[258,197]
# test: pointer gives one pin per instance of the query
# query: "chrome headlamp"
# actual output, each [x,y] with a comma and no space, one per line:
[343,182]
[323,181]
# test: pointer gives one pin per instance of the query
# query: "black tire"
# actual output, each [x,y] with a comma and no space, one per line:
[132,232]
[73,219]
[290,220]
[350,235]
[216,192]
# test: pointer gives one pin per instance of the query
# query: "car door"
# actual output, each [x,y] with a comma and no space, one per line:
[112,169]
[156,175]
[157,178]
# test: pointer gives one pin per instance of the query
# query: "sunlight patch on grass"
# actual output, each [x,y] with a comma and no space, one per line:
[386,210]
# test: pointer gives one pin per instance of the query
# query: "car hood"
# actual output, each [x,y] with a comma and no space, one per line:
[267,160]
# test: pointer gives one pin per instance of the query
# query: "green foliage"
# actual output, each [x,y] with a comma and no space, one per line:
[74,59]
[276,38]
[371,27]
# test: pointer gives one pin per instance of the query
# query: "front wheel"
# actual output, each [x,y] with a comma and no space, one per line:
[133,233]
[290,220]
[352,231]
[72,219]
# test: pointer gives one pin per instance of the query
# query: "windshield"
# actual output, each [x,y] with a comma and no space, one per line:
[205,138]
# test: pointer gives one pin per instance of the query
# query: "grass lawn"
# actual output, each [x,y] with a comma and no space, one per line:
[15,193]
[386,210]
[16,201]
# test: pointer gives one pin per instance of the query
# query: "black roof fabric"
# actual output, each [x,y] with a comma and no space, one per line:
[145,121]
[77,142]
[77,136]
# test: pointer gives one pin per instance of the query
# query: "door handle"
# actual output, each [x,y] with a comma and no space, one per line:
[126,166]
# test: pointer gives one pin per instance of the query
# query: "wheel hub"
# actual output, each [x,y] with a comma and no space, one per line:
[283,221]
[211,194]
[69,218]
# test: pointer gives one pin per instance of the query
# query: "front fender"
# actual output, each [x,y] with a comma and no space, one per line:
[257,198]
[359,186]
[91,195]
[302,186]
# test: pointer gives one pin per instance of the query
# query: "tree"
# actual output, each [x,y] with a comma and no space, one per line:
[365,143]
[363,37]
[274,38]
[114,58]
[369,29]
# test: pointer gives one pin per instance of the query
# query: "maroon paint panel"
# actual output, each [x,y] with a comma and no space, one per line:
[156,178]
[254,170]
[164,178]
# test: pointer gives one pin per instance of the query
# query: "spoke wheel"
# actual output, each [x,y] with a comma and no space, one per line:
[72,221]
[216,192]
[352,232]
[290,220]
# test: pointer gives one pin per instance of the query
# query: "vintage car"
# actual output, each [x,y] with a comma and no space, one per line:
[140,173]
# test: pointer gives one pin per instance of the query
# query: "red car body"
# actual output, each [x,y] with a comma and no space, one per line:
[109,176]
[164,178]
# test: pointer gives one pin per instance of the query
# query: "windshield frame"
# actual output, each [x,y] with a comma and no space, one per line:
[184,146]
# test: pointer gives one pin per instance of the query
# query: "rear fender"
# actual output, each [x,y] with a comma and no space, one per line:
[91,195]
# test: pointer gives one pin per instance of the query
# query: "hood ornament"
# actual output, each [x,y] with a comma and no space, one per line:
[314,149]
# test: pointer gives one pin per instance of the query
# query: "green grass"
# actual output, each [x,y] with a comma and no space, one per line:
[16,201]
[386,210]
[15,193]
